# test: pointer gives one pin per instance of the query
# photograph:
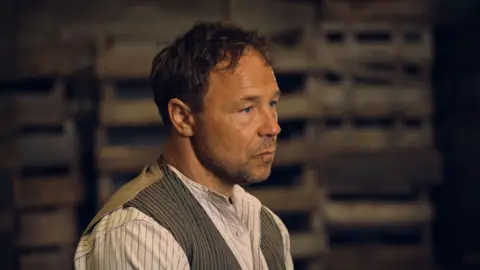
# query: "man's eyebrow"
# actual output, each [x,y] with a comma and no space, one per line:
[253,98]
[278,93]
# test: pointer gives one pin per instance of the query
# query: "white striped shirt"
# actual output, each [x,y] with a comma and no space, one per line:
[129,239]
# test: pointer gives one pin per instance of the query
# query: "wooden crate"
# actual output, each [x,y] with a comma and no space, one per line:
[336,41]
[377,10]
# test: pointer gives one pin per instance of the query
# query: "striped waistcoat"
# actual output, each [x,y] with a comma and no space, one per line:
[169,202]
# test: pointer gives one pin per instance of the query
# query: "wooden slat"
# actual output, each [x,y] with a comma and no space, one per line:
[383,169]
[372,101]
[289,199]
[50,149]
[116,112]
[350,48]
[43,109]
[373,214]
[299,106]
[46,260]
[127,60]
[373,139]
[378,258]
[55,59]
[307,245]
[49,191]
[126,158]
[380,10]
[46,228]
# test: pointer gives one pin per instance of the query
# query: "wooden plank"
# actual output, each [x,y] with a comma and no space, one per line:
[378,258]
[125,112]
[377,10]
[46,228]
[53,59]
[50,259]
[375,71]
[126,158]
[371,100]
[382,169]
[43,109]
[376,214]
[126,60]
[49,191]
[307,245]
[287,199]
[50,149]
[347,138]
[390,44]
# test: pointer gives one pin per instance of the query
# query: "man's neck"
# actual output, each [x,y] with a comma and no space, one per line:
[183,158]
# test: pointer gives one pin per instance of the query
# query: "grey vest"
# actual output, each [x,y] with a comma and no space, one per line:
[169,202]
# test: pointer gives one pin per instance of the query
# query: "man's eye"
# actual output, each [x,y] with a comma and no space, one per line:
[248,109]
[273,103]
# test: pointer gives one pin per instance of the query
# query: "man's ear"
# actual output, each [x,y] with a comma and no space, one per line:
[181,117]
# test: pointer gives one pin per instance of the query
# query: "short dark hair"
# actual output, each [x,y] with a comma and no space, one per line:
[181,69]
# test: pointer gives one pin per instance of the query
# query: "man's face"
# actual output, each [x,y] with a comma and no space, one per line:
[235,134]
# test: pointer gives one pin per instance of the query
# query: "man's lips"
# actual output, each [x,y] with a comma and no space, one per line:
[267,153]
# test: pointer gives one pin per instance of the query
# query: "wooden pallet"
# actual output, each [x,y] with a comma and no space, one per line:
[372,90]
[377,10]
[341,42]
[377,212]
[46,181]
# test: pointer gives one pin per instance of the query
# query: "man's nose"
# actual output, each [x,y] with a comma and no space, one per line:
[270,125]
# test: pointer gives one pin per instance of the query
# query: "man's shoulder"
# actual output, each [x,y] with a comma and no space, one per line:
[120,218]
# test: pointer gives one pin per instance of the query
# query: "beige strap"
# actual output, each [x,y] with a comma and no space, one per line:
[150,174]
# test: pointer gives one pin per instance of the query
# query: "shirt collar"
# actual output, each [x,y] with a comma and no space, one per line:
[205,193]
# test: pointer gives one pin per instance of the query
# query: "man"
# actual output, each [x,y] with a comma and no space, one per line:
[217,94]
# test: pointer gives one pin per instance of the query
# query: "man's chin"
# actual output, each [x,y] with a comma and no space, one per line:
[258,177]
